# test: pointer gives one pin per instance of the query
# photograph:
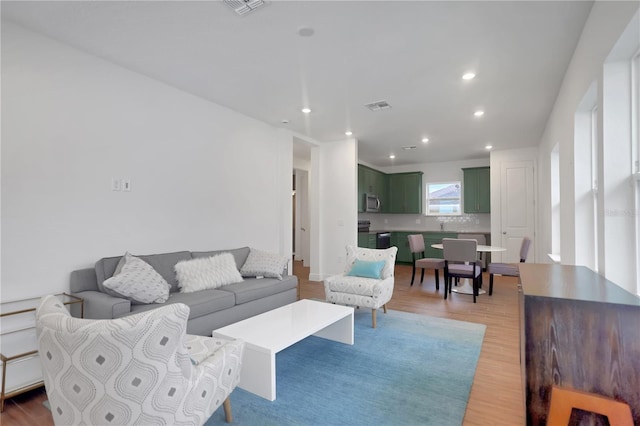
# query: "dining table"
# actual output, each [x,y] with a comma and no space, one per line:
[465,286]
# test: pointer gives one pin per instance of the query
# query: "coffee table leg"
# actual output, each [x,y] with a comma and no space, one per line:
[340,331]
[258,373]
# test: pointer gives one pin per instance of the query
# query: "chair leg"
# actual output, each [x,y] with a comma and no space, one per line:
[228,416]
[490,284]
[475,289]
[373,318]
[413,273]
[422,276]
[437,280]
[384,308]
[445,284]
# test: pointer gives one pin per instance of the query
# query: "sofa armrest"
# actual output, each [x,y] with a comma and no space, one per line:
[83,280]
[98,305]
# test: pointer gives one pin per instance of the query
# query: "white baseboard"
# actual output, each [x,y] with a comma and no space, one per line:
[316,277]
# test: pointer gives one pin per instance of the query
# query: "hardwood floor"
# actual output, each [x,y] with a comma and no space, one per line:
[496,394]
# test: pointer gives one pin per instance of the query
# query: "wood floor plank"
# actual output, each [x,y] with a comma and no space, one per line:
[496,393]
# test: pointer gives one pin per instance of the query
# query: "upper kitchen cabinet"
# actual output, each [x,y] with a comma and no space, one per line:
[372,181]
[477,190]
[405,193]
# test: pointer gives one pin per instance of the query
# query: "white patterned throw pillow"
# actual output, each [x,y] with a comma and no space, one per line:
[207,272]
[137,281]
[265,264]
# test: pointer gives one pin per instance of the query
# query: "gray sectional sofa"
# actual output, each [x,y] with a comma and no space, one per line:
[210,309]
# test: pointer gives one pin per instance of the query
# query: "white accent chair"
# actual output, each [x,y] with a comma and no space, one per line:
[133,370]
[359,291]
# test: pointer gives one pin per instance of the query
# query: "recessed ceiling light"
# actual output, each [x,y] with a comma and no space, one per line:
[348,133]
[468,76]
[477,113]
[392,156]
[488,147]
[306,110]
[285,121]
[425,140]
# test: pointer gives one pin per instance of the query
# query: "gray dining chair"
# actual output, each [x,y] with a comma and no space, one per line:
[461,261]
[509,269]
[416,245]
[482,240]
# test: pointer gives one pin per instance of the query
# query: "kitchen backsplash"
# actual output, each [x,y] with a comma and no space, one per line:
[416,222]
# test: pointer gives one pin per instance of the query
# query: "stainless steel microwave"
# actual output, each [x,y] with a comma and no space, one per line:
[371,203]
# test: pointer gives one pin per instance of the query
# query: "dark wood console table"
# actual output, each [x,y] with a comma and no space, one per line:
[577,330]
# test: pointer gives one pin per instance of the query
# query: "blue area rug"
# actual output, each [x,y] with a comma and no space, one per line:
[411,370]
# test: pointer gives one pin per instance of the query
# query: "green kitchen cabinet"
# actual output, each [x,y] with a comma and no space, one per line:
[361,191]
[435,238]
[405,193]
[366,240]
[476,190]
[371,181]
[400,240]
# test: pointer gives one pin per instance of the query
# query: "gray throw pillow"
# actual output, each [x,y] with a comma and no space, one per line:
[265,264]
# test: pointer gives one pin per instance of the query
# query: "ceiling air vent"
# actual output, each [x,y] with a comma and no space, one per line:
[242,7]
[409,148]
[379,105]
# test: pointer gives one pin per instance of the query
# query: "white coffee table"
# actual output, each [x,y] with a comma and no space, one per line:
[267,334]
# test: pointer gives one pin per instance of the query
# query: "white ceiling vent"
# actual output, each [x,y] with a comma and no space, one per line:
[378,105]
[242,7]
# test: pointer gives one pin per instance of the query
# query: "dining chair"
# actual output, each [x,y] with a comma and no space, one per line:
[461,261]
[416,245]
[482,240]
[509,269]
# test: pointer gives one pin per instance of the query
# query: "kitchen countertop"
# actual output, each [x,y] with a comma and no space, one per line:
[422,231]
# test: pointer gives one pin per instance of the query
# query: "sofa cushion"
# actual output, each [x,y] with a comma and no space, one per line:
[239,254]
[162,263]
[200,303]
[258,288]
[206,273]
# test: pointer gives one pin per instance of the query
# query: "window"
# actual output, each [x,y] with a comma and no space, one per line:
[635,121]
[443,199]
[594,183]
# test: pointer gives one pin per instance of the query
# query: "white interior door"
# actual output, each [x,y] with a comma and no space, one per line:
[302,216]
[517,208]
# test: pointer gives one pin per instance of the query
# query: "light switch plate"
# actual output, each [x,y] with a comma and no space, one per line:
[115,184]
[126,185]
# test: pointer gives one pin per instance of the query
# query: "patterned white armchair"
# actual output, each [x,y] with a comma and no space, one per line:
[141,369]
[350,289]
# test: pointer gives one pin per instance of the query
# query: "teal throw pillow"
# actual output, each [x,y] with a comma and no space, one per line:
[362,268]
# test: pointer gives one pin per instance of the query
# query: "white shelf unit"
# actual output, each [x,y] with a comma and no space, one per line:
[21,370]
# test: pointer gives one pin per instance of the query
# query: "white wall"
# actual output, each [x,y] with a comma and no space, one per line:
[604,26]
[433,172]
[203,177]
[334,210]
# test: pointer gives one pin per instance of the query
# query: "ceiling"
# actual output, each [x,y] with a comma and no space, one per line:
[411,54]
